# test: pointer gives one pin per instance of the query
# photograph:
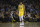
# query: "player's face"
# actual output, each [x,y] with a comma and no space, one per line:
[20,2]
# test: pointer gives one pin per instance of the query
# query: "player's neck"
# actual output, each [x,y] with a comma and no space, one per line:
[21,4]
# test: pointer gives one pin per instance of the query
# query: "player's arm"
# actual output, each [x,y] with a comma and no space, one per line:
[24,10]
[17,10]
[24,7]
[18,7]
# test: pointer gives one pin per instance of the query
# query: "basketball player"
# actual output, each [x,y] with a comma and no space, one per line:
[21,9]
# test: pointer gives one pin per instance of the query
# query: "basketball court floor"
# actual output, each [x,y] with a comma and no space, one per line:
[21,24]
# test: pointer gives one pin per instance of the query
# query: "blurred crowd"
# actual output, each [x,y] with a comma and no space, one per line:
[8,8]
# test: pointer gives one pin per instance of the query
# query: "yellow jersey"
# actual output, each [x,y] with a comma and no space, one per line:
[21,10]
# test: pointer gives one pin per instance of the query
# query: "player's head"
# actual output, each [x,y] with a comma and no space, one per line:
[20,2]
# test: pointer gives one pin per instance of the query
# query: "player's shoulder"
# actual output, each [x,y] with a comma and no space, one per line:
[23,4]
[19,5]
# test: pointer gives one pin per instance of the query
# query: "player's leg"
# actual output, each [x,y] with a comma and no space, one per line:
[20,18]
